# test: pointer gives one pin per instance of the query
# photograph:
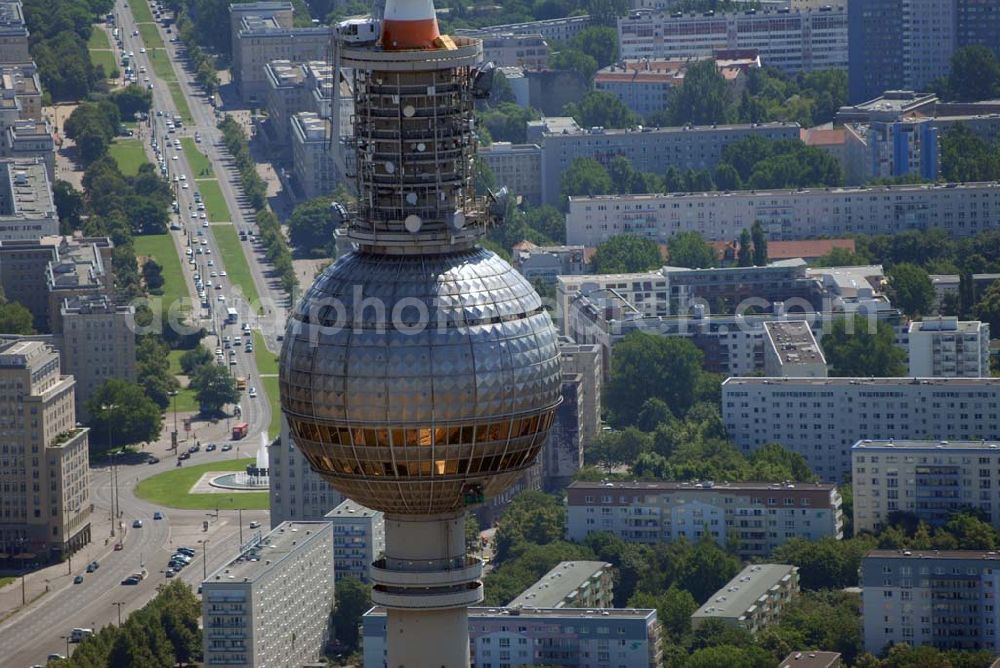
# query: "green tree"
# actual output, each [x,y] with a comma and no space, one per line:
[548,221]
[600,109]
[987,309]
[773,462]
[15,319]
[352,600]
[585,176]
[311,226]
[975,74]
[759,244]
[730,657]
[826,563]
[574,60]
[532,518]
[69,205]
[644,366]
[704,98]
[600,42]
[744,254]
[508,122]
[689,249]
[971,532]
[856,351]
[153,370]
[214,388]
[626,253]
[122,410]
[912,289]
[195,358]
[727,178]
[840,257]
[131,100]
[967,157]
[152,276]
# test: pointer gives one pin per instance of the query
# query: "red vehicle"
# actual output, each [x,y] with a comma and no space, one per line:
[240,430]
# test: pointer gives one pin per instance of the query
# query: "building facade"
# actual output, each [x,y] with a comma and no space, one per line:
[313,165]
[517,166]
[648,149]
[45,502]
[548,263]
[516,50]
[27,210]
[269,605]
[555,30]
[358,539]
[794,41]
[562,454]
[565,636]
[297,493]
[570,584]
[753,599]
[587,361]
[13,33]
[761,516]
[961,210]
[949,347]
[931,480]
[821,418]
[790,349]
[942,598]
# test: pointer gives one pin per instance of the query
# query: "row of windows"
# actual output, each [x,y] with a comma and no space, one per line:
[424,436]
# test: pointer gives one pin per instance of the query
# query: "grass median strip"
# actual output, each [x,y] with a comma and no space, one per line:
[215,203]
[171,488]
[270,387]
[150,36]
[267,362]
[200,164]
[129,154]
[141,11]
[161,248]
[180,101]
[98,39]
[104,58]
[235,261]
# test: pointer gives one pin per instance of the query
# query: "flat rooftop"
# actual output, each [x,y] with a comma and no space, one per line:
[351,509]
[311,126]
[285,72]
[553,588]
[946,325]
[794,342]
[689,129]
[934,554]
[268,552]
[867,382]
[549,613]
[870,444]
[811,659]
[741,594]
[25,190]
[707,486]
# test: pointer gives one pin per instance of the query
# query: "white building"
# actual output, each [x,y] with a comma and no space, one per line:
[961,210]
[298,494]
[358,539]
[313,163]
[761,515]
[517,166]
[799,41]
[583,638]
[821,418]
[570,584]
[270,605]
[27,210]
[753,599]
[929,479]
[949,347]
[790,349]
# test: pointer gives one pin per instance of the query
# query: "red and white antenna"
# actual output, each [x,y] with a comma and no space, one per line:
[409,24]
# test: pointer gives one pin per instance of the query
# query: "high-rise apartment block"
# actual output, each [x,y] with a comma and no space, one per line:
[570,584]
[943,598]
[297,493]
[949,347]
[960,210]
[583,638]
[270,605]
[753,599]
[314,167]
[794,41]
[555,30]
[358,539]
[13,33]
[587,361]
[790,349]
[44,469]
[931,480]
[821,418]
[27,210]
[761,515]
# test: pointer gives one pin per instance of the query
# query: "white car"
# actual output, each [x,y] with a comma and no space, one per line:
[211,263]
[219,286]
[184,177]
[222,273]
[203,216]
[213,274]
[184,186]
[222,298]
[142,50]
[205,224]
[204,242]
[252,393]
[174,157]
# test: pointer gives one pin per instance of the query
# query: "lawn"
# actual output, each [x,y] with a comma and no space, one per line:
[267,362]
[270,387]
[161,248]
[215,203]
[150,36]
[6,580]
[141,12]
[200,165]
[171,488]
[177,95]
[98,39]
[186,401]
[104,58]
[235,261]
[162,68]
[129,154]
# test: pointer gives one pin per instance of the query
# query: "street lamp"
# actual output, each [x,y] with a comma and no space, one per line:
[173,436]
[114,472]
[204,559]
[119,604]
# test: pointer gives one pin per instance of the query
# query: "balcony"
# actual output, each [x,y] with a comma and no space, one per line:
[430,573]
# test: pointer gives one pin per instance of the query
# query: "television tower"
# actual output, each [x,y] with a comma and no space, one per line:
[419,374]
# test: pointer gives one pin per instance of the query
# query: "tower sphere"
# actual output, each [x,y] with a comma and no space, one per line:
[418,384]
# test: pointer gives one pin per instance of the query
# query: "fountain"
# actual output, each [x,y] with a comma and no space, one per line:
[254,478]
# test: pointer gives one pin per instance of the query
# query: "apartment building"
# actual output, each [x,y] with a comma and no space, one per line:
[45,502]
[13,33]
[821,418]
[587,361]
[29,139]
[570,584]
[761,515]
[548,263]
[27,210]
[297,493]
[97,344]
[286,95]
[648,149]
[961,210]
[791,349]
[628,638]
[562,454]
[812,659]
[554,30]
[517,166]
[313,166]
[897,148]
[931,480]
[946,346]
[82,268]
[942,598]
[793,41]
[753,599]
[269,606]
[358,539]
[516,50]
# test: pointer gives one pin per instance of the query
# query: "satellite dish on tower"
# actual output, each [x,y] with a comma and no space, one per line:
[413,223]
[457,220]
[408,111]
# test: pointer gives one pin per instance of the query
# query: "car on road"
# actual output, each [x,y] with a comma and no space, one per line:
[184,455]
[153,460]
[232,361]
[170,573]
[189,551]
[195,448]
[55,657]
[222,273]
[222,298]
[136,524]
[78,580]
[119,547]
[93,566]
[130,580]
[142,50]
[180,556]
[210,447]
[226,447]
[255,524]
[157,515]
[252,393]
